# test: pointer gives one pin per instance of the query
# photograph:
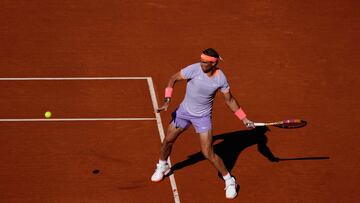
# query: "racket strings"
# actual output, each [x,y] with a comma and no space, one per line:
[292,124]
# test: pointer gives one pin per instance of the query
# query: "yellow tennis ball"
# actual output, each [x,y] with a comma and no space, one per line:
[47,114]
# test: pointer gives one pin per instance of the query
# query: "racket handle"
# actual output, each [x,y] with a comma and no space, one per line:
[259,124]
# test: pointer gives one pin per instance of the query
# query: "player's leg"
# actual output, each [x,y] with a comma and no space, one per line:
[175,128]
[203,127]
[208,151]
[171,135]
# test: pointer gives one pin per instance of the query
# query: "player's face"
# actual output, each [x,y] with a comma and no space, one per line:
[207,66]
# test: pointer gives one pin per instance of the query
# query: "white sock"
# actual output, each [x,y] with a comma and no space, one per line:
[162,162]
[227,177]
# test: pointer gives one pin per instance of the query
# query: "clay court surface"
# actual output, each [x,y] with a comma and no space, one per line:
[283,59]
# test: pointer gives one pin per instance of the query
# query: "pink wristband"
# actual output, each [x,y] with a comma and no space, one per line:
[240,114]
[168,92]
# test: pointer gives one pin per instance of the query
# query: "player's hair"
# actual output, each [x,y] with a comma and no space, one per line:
[211,52]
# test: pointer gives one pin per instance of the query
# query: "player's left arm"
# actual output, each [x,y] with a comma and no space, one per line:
[234,106]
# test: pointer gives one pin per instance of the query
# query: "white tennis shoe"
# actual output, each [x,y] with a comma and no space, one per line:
[160,172]
[230,188]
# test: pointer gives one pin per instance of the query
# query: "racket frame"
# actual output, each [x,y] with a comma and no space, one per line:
[279,123]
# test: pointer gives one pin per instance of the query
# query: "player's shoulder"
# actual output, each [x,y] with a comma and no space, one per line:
[193,66]
[221,73]
[190,71]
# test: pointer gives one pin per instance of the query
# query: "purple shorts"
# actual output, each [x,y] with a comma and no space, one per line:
[182,119]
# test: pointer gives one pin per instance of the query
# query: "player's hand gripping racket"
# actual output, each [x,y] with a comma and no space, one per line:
[288,123]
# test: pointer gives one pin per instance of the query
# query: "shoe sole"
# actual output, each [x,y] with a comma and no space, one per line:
[231,197]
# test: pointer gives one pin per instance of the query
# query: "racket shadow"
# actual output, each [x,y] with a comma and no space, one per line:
[230,145]
[304,158]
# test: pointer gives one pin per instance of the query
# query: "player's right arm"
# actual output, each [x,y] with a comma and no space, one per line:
[173,79]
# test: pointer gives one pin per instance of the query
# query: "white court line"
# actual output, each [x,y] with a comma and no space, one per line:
[162,136]
[75,78]
[153,98]
[74,119]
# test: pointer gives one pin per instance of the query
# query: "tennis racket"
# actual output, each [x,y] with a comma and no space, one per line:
[288,123]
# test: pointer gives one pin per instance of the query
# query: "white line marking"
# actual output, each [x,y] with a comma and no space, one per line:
[153,98]
[75,119]
[75,78]
[162,136]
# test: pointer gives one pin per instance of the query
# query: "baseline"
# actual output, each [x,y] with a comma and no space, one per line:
[74,119]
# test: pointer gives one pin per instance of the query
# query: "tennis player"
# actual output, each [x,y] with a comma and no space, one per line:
[204,79]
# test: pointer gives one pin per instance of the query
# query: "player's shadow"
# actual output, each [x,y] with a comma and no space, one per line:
[231,145]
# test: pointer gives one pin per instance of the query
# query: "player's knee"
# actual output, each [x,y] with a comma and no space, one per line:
[208,153]
[168,142]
